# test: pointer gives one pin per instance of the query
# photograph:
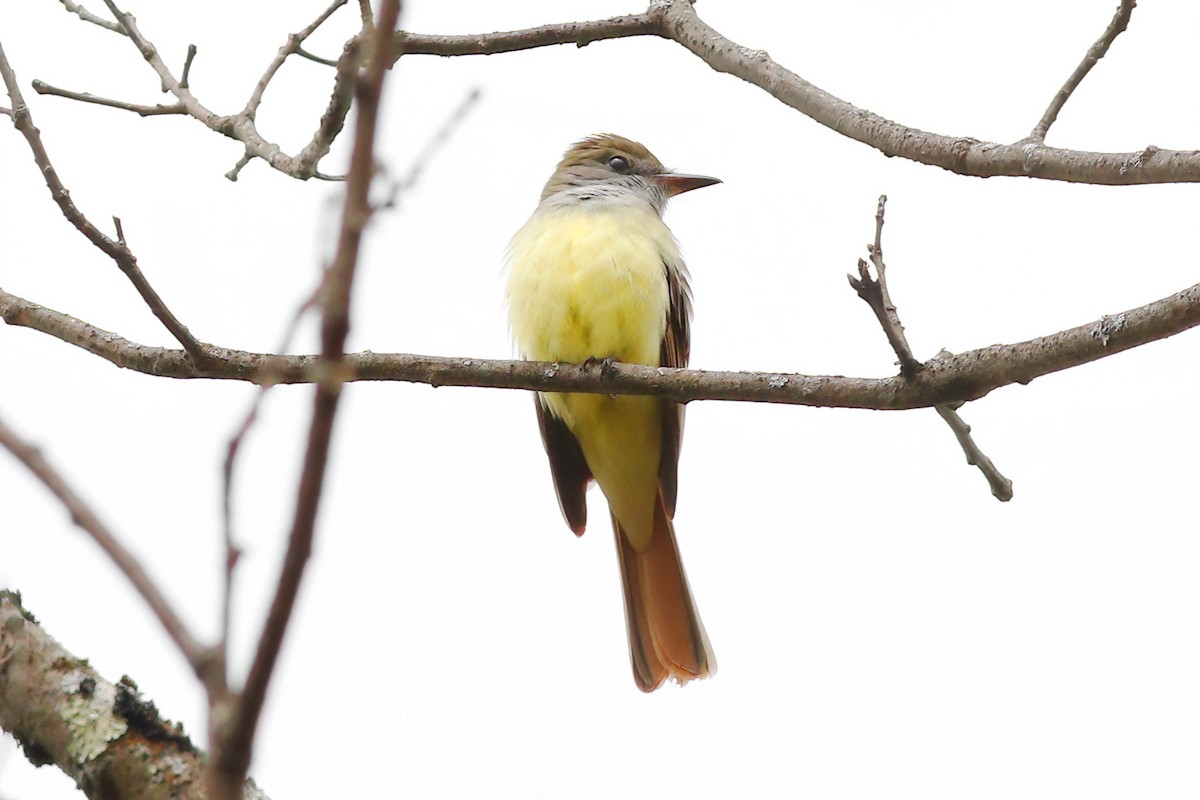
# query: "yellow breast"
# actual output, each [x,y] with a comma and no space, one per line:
[590,283]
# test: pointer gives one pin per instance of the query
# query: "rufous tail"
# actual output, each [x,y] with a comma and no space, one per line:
[666,636]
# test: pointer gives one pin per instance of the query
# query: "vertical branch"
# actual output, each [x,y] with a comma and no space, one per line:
[234,728]
[884,308]
[874,292]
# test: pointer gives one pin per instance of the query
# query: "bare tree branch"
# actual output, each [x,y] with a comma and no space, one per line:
[677,20]
[965,156]
[579,34]
[944,382]
[87,16]
[118,251]
[300,51]
[239,127]
[947,378]
[232,450]
[41,87]
[291,46]
[234,744]
[1002,488]
[199,657]
[1097,51]
[103,736]
[874,291]
[334,117]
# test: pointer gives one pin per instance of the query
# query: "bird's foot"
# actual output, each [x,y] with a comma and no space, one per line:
[606,365]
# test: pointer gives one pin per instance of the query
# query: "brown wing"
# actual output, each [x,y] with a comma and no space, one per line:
[568,467]
[675,351]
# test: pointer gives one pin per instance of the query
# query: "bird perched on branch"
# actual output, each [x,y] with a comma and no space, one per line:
[595,275]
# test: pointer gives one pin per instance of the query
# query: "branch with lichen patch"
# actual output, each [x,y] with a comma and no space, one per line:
[104,736]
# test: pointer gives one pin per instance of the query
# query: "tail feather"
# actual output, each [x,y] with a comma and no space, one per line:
[666,636]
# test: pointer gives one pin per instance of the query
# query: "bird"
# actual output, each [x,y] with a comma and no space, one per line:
[596,276]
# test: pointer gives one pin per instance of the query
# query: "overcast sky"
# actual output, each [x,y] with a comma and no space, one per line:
[884,626]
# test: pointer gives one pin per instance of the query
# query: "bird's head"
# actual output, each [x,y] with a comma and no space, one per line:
[612,164]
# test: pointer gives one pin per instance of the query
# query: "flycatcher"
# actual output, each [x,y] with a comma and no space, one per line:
[595,274]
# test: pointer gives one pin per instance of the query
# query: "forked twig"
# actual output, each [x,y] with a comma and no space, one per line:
[874,291]
[117,250]
[240,126]
[289,47]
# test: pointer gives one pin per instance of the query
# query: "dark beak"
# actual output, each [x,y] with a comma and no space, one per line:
[673,183]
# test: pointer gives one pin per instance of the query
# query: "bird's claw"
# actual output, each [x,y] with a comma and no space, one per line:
[606,365]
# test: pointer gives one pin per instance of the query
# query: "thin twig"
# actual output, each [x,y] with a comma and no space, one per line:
[946,378]
[187,66]
[118,251]
[82,515]
[234,752]
[437,141]
[874,291]
[87,16]
[289,47]
[1097,51]
[239,127]
[1002,487]
[239,166]
[41,87]
[232,450]
[329,62]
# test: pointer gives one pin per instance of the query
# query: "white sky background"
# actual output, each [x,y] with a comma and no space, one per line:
[885,628]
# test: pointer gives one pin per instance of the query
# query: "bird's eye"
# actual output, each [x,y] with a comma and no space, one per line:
[620,165]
